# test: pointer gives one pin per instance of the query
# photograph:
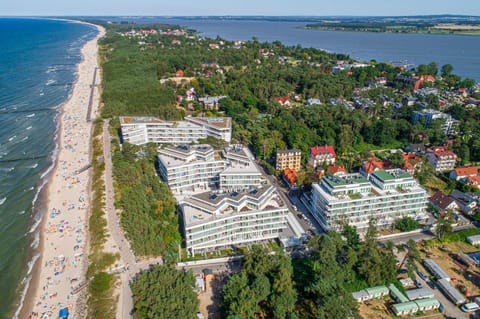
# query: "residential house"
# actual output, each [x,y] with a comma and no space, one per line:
[283,100]
[190,95]
[462,173]
[289,159]
[211,102]
[320,155]
[335,169]
[313,101]
[441,158]
[465,201]
[418,149]
[443,202]
[290,177]
[373,165]
[411,162]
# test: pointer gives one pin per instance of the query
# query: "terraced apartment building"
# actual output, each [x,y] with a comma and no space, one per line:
[387,195]
[143,130]
[216,220]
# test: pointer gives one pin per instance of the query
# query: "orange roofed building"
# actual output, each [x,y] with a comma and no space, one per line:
[335,169]
[290,176]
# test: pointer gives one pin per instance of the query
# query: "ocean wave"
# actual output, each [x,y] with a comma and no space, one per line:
[29,128]
[21,213]
[26,284]
[50,82]
[30,115]
[2,200]
[12,138]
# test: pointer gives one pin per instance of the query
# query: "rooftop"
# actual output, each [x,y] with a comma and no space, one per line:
[209,206]
[218,122]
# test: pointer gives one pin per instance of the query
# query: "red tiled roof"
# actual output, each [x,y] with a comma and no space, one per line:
[441,200]
[467,171]
[440,151]
[282,100]
[322,150]
[335,169]
[474,180]
[374,164]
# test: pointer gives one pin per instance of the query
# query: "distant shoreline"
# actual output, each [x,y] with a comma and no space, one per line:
[420,31]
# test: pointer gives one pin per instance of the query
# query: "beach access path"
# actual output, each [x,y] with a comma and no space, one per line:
[64,233]
[127,258]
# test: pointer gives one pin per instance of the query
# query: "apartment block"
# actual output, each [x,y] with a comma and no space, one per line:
[224,219]
[441,158]
[449,124]
[387,195]
[190,167]
[291,159]
[142,130]
[194,168]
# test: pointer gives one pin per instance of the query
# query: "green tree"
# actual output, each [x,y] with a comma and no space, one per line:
[407,224]
[164,293]
[444,224]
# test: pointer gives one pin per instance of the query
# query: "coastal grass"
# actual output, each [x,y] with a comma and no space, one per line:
[101,304]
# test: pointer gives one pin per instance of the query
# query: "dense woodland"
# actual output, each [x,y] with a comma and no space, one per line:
[164,293]
[319,286]
[149,215]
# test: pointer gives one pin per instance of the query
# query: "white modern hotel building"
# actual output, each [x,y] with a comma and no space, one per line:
[386,196]
[143,130]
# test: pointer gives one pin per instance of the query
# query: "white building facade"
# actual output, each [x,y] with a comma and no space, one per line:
[142,130]
[194,168]
[221,220]
[386,196]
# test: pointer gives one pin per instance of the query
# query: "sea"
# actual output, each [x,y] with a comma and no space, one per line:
[462,52]
[38,59]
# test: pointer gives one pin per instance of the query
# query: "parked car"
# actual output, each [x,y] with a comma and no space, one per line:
[418,284]
[423,275]
[470,307]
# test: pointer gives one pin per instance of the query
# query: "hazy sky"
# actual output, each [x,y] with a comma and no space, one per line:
[238,7]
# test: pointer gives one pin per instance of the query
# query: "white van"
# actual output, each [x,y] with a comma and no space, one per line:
[470,307]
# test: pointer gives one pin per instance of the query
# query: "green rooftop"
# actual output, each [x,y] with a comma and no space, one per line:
[397,294]
[383,175]
[410,306]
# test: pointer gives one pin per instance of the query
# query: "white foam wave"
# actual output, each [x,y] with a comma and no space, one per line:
[31,115]
[24,139]
[36,240]
[29,128]
[35,225]
[21,213]
[33,166]
[50,82]
[12,138]
[2,200]
[26,284]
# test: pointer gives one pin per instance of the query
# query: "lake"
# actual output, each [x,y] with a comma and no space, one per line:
[463,52]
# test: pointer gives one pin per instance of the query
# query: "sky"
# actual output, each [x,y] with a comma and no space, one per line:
[238,7]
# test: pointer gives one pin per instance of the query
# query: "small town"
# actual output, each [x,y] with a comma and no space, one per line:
[418,200]
[295,162]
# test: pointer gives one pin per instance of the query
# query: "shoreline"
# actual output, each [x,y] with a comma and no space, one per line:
[64,201]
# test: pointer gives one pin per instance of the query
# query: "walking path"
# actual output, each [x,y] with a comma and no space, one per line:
[127,258]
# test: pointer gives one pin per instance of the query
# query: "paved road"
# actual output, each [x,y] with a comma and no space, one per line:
[125,301]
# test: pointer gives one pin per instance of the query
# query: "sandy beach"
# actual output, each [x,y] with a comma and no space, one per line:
[64,250]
